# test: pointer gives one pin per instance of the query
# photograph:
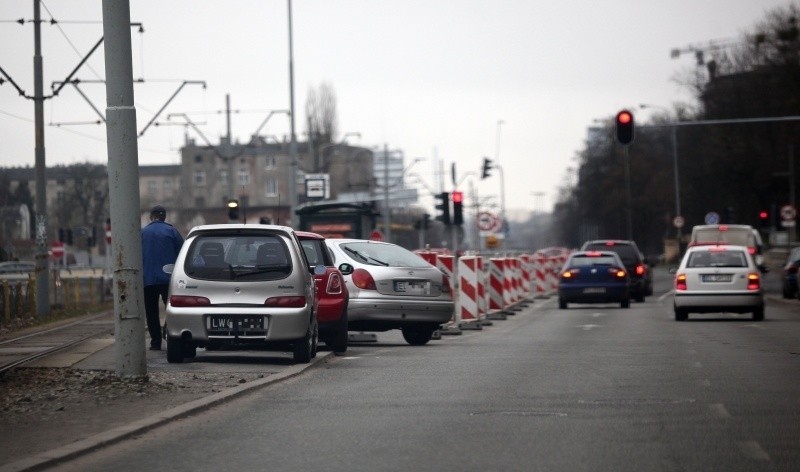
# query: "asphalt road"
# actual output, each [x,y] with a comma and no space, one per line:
[594,387]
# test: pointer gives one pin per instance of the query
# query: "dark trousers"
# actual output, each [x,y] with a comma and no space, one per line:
[151,296]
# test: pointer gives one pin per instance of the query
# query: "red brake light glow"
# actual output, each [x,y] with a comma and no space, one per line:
[609,243]
[753,281]
[617,272]
[723,227]
[640,270]
[751,250]
[186,301]
[363,280]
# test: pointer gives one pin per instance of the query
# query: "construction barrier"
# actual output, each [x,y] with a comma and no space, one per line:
[468,306]
[497,297]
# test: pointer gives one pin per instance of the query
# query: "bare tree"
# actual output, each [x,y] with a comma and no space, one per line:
[321,120]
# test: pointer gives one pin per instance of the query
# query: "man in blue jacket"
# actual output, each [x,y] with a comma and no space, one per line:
[160,245]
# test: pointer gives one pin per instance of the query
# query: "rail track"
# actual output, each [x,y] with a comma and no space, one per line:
[26,348]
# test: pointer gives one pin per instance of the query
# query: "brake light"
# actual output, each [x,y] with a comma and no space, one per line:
[723,227]
[609,243]
[334,284]
[680,282]
[617,272]
[751,250]
[286,302]
[593,253]
[640,270]
[570,273]
[363,280]
[753,281]
[185,301]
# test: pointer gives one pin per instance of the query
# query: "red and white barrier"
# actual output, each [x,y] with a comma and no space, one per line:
[468,306]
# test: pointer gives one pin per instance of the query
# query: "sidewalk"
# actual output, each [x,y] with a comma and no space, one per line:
[73,402]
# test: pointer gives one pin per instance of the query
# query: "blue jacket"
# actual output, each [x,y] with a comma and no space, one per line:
[160,246]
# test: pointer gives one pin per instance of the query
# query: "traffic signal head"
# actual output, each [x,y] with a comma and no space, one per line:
[443,205]
[487,166]
[458,210]
[624,127]
[763,217]
[233,209]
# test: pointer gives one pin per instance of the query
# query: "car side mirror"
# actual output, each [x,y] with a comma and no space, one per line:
[346,268]
[168,268]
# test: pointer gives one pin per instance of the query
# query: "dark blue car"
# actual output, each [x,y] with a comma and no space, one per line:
[594,277]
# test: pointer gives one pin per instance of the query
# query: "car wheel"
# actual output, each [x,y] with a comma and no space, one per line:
[681,314]
[640,297]
[417,335]
[303,349]
[189,350]
[649,291]
[758,314]
[562,304]
[625,303]
[338,340]
[175,350]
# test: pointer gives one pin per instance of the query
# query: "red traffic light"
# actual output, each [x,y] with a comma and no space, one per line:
[458,197]
[624,117]
[763,215]
[624,127]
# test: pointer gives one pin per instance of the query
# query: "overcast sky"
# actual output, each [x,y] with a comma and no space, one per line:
[433,78]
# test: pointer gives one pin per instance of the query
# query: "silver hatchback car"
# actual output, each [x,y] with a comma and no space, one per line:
[392,288]
[241,285]
[718,278]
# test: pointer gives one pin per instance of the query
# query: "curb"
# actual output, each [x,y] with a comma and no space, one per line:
[113,436]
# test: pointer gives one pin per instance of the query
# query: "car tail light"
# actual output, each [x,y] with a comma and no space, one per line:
[753,281]
[792,269]
[680,282]
[334,284]
[617,272]
[445,283]
[751,250]
[640,270]
[363,280]
[185,301]
[569,274]
[286,302]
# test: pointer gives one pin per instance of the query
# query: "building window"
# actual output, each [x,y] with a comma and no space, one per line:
[198,158]
[223,176]
[152,187]
[168,188]
[271,187]
[199,178]
[243,178]
[269,164]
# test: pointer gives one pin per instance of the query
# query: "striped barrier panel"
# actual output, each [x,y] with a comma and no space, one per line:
[527,275]
[468,309]
[482,303]
[553,266]
[508,282]
[496,284]
[540,275]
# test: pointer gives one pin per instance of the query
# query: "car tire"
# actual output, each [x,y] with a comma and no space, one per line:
[562,304]
[303,349]
[189,350]
[640,297]
[625,303]
[175,350]
[681,314]
[338,341]
[758,314]
[417,335]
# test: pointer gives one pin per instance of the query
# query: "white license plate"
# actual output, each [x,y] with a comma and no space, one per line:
[594,290]
[717,277]
[414,287]
[222,322]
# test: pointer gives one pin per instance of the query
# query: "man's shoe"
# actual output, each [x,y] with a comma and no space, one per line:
[155,348]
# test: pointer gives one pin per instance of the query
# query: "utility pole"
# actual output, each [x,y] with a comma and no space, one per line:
[387,224]
[42,279]
[293,139]
[123,178]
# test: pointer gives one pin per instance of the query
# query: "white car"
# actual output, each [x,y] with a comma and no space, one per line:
[718,279]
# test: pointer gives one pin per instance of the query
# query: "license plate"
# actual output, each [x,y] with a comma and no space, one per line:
[594,290]
[415,287]
[717,278]
[227,323]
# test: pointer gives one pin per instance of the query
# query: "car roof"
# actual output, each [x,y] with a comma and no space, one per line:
[309,235]
[238,226]
[717,247]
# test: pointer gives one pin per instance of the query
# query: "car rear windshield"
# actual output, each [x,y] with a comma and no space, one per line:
[717,259]
[387,255]
[588,261]
[712,235]
[238,257]
[626,252]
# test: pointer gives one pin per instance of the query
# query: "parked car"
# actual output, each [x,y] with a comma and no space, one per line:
[635,263]
[789,277]
[17,267]
[718,278]
[594,277]
[741,235]
[392,288]
[331,292]
[242,286]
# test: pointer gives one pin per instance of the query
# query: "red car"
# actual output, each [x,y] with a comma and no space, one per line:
[331,292]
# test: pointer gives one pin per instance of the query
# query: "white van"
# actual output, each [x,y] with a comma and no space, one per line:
[739,235]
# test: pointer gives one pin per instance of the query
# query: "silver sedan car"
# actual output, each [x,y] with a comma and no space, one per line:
[392,288]
[718,279]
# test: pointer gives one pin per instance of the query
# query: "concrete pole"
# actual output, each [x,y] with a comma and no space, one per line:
[42,273]
[123,178]
[293,139]
[387,223]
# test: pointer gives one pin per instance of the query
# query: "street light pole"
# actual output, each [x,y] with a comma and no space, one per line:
[293,139]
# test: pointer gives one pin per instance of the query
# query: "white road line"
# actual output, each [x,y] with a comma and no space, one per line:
[719,410]
[753,450]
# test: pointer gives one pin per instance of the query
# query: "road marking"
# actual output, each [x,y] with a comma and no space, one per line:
[753,450]
[587,327]
[597,315]
[719,410]
[663,297]
[757,326]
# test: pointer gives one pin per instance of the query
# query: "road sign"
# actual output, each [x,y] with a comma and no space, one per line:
[486,221]
[678,222]
[712,218]
[376,235]
[788,212]
[57,250]
[492,241]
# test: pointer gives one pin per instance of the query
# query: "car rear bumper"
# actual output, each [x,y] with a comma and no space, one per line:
[279,325]
[398,310]
[583,294]
[715,302]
